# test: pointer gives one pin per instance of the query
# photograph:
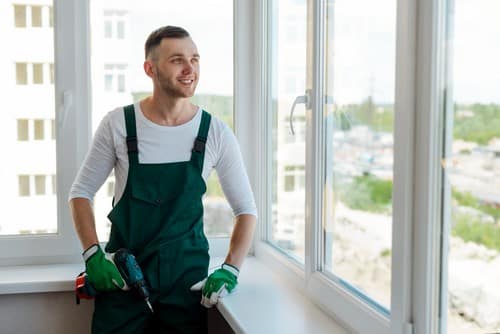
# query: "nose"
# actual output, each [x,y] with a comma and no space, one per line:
[188,68]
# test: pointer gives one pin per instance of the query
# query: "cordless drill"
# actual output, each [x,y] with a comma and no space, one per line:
[129,270]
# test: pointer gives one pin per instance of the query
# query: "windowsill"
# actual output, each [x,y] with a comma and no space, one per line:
[261,303]
[39,278]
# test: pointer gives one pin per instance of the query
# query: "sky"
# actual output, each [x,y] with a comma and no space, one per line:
[365,49]
[210,24]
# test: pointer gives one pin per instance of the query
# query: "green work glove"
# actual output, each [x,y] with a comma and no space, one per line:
[101,270]
[217,285]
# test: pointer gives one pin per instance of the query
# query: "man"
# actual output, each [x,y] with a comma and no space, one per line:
[162,149]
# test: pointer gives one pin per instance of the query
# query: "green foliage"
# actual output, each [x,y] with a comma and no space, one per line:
[481,127]
[377,117]
[217,105]
[213,186]
[368,193]
[469,229]
[385,253]
[467,199]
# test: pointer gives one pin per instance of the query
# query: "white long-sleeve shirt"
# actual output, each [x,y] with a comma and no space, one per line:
[164,144]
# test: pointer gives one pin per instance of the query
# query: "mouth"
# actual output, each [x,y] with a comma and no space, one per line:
[186,81]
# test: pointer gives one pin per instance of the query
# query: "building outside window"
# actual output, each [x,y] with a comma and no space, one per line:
[19,16]
[35,16]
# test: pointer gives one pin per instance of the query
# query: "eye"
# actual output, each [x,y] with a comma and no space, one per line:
[176,61]
[196,60]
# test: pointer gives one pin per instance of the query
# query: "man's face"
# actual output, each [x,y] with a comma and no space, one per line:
[175,67]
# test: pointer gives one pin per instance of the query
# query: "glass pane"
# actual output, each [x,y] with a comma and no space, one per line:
[36,16]
[51,74]
[40,184]
[22,129]
[473,170]
[52,129]
[38,73]
[108,82]
[120,29]
[288,33]
[20,16]
[28,103]
[360,60]
[51,16]
[121,83]
[39,130]
[24,185]
[21,73]
[54,184]
[108,29]
[118,76]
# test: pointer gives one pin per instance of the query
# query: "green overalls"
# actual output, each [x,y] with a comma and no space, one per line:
[159,218]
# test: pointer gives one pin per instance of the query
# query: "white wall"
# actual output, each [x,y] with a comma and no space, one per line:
[40,313]
[57,313]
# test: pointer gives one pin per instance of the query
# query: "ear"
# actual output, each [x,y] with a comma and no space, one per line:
[149,68]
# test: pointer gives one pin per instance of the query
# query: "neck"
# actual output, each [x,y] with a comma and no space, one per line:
[168,111]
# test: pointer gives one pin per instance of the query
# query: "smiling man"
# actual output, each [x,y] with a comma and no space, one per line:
[162,149]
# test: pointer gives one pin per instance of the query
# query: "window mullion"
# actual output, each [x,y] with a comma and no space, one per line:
[315,139]
[73,104]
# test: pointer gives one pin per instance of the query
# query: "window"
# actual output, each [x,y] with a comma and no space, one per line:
[52,129]
[33,73]
[33,16]
[22,129]
[360,76]
[471,206]
[36,129]
[329,154]
[120,29]
[51,16]
[21,73]
[36,16]
[24,185]
[289,150]
[118,77]
[108,29]
[20,16]
[39,129]
[38,73]
[30,101]
[115,20]
[108,82]
[121,83]
[53,184]
[294,178]
[40,184]
[51,69]
[115,77]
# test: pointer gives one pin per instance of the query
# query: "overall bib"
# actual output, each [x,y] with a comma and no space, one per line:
[159,218]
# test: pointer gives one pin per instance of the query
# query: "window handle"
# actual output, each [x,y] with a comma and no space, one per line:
[305,99]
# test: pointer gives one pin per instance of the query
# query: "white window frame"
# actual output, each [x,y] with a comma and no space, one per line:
[416,197]
[73,100]
[74,125]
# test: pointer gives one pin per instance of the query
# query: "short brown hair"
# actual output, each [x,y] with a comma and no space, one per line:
[154,39]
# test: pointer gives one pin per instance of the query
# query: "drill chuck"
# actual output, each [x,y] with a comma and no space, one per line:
[131,273]
[129,270]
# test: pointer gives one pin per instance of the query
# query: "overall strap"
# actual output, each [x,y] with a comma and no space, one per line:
[132,147]
[198,153]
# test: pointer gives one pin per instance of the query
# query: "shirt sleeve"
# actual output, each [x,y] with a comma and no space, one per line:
[233,176]
[98,163]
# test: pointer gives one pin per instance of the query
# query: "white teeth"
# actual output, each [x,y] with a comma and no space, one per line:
[186,81]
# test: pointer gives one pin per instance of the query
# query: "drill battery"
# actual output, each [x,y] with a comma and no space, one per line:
[83,289]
